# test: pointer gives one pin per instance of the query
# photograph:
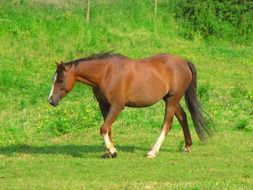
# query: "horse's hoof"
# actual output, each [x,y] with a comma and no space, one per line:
[114,155]
[151,154]
[109,155]
[106,155]
[187,149]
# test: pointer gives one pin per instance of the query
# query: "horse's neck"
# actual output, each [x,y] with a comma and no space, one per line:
[91,72]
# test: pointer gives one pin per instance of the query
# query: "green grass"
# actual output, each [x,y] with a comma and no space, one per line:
[42,147]
[73,161]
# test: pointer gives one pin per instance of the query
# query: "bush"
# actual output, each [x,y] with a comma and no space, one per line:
[227,19]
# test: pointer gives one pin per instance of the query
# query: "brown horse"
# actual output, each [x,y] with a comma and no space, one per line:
[118,81]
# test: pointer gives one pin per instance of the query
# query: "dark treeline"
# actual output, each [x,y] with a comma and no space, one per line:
[230,19]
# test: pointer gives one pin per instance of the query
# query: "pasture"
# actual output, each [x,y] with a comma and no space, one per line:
[42,147]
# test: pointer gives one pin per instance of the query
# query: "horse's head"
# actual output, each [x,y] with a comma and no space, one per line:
[63,82]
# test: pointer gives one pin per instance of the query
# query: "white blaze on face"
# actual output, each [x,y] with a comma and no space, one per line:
[108,144]
[52,88]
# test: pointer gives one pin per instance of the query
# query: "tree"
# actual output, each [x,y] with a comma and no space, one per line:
[155,7]
[87,10]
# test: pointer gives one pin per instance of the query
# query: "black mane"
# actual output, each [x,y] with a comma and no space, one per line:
[94,57]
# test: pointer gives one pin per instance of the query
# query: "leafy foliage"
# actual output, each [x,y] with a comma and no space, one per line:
[229,19]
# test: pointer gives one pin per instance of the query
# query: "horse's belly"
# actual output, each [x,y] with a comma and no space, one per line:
[145,95]
[141,103]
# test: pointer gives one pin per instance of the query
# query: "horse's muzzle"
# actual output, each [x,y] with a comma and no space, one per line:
[52,102]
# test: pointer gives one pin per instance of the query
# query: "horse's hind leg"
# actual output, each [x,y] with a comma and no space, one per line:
[170,108]
[182,118]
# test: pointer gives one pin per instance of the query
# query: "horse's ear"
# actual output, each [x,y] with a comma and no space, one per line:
[62,66]
[56,63]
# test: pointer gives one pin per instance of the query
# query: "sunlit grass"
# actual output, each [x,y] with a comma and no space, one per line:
[73,161]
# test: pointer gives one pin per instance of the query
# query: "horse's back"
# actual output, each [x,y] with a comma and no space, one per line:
[148,80]
[171,69]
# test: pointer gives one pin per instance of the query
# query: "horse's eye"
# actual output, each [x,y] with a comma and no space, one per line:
[60,81]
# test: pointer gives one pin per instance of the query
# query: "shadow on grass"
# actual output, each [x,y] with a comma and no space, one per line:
[72,150]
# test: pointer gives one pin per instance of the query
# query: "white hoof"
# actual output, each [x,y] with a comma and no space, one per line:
[187,149]
[151,154]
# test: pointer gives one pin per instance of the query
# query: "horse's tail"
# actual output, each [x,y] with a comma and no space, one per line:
[196,111]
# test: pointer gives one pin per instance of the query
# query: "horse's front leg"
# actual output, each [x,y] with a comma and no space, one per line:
[106,131]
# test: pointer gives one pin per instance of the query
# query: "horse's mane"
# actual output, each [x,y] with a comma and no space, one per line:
[95,56]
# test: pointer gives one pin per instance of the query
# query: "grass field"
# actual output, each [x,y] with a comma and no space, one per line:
[42,147]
